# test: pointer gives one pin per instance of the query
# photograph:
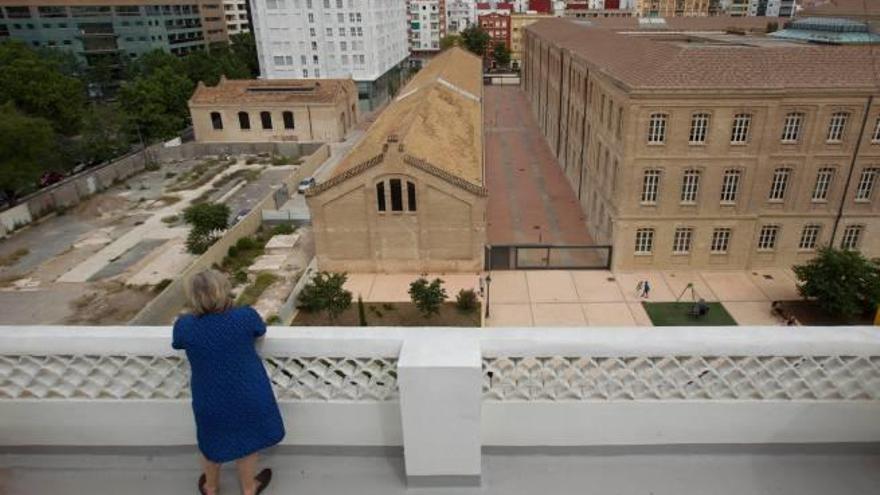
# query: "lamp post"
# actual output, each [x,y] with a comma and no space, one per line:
[488,283]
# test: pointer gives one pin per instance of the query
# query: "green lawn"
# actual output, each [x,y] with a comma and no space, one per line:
[672,314]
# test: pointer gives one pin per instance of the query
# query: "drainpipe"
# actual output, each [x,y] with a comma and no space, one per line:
[559,107]
[580,162]
[852,168]
[311,134]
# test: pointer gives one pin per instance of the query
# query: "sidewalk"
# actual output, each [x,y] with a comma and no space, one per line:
[569,298]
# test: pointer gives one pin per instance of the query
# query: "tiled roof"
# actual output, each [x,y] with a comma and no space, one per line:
[437,117]
[237,91]
[843,8]
[712,23]
[642,62]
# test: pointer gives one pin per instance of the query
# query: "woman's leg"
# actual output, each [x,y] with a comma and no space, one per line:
[212,476]
[247,471]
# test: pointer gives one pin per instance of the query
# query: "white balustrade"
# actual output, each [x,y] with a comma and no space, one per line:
[443,393]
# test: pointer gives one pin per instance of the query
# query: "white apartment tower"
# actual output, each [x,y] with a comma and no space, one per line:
[460,14]
[427,25]
[235,12]
[332,39]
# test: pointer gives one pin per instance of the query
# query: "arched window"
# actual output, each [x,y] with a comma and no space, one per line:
[244,121]
[266,119]
[401,200]
[216,121]
[288,120]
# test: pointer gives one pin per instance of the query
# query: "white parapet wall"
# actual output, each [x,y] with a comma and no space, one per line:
[444,393]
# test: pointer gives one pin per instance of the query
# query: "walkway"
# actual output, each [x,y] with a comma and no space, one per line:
[680,471]
[563,298]
[530,200]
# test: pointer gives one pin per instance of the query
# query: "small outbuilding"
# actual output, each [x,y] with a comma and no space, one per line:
[256,110]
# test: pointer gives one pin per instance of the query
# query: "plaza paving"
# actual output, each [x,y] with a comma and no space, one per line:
[562,298]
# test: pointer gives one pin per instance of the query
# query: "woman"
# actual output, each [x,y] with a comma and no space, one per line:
[232,399]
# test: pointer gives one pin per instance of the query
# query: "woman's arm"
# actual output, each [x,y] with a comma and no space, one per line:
[259,325]
[177,336]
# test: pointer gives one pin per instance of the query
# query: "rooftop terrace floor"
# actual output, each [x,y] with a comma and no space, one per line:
[803,470]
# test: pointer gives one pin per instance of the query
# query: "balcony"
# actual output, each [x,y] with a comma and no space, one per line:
[624,410]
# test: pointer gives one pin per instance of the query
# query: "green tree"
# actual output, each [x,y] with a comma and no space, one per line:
[156,102]
[427,296]
[244,47]
[475,39]
[28,147]
[39,86]
[326,292]
[450,40]
[844,283]
[209,66]
[501,54]
[106,133]
[206,220]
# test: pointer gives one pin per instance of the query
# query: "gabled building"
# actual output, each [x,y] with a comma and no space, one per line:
[411,197]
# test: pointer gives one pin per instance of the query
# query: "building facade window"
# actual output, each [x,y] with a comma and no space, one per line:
[767,237]
[651,186]
[380,196]
[681,241]
[809,237]
[730,186]
[837,127]
[644,241]
[791,129]
[779,184]
[216,121]
[657,128]
[865,187]
[823,184]
[411,195]
[875,136]
[266,120]
[396,194]
[244,121]
[288,120]
[720,241]
[690,186]
[852,236]
[739,133]
[699,128]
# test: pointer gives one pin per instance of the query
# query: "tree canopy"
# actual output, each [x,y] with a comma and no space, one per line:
[475,39]
[501,54]
[843,283]
[326,292]
[28,147]
[427,296]
[450,40]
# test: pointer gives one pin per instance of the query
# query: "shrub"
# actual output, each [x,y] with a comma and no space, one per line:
[164,283]
[240,277]
[232,252]
[206,219]
[170,219]
[427,296]
[246,243]
[283,229]
[844,283]
[326,292]
[273,320]
[152,167]
[252,293]
[466,300]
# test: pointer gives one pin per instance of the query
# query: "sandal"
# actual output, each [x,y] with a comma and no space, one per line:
[263,480]
[202,480]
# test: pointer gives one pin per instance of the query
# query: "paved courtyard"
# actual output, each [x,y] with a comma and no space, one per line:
[530,200]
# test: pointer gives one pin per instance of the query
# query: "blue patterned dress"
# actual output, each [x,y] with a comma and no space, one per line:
[232,399]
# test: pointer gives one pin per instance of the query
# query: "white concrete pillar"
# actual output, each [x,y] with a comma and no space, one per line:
[440,382]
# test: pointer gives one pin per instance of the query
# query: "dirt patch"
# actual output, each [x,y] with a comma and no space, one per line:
[809,313]
[400,314]
[100,205]
[110,303]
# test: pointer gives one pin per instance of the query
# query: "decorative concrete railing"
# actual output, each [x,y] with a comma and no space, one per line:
[444,393]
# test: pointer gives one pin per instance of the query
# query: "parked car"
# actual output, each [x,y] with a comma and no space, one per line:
[241,214]
[305,185]
[50,177]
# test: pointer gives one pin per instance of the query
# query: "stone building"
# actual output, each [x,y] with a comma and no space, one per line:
[518,23]
[411,197]
[251,110]
[722,152]
[670,8]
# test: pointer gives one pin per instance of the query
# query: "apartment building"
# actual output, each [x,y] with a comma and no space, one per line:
[365,40]
[427,26]
[670,8]
[518,22]
[101,29]
[236,15]
[728,152]
[460,14]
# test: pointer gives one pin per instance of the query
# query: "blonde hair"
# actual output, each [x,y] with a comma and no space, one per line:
[209,291]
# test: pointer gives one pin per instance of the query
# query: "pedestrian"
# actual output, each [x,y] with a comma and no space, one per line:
[235,411]
[639,288]
[646,289]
